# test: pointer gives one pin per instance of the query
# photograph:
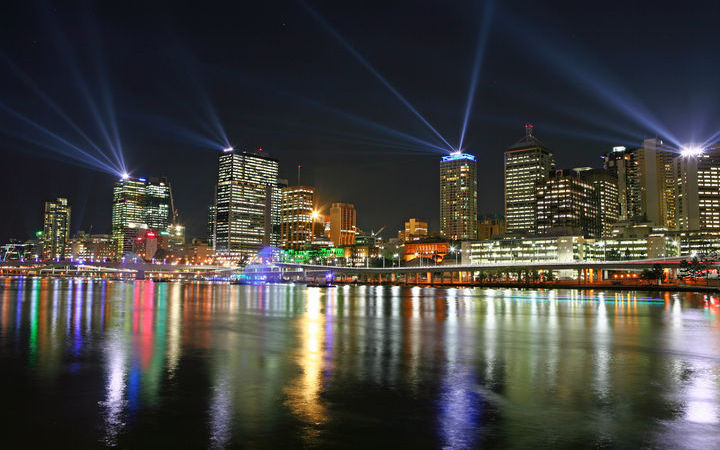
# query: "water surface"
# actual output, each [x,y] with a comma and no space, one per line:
[143,364]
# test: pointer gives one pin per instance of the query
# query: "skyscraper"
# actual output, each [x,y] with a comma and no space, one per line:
[297,216]
[622,162]
[245,206]
[128,212]
[697,190]
[565,206]
[342,224]
[605,197]
[56,229]
[138,204]
[655,163]
[527,163]
[458,196]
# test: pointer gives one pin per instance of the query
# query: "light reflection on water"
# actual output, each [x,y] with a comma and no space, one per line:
[272,366]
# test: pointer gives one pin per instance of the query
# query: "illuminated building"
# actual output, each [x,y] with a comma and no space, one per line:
[605,198]
[342,224]
[655,161]
[697,191]
[565,206]
[564,249]
[490,227]
[426,252]
[92,247]
[414,230]
[623,163]
[211,225]
[175,235]
[56,229]
[138,204]
[458,196]
[245,203]
[198,251]
[297,216]
[527,162]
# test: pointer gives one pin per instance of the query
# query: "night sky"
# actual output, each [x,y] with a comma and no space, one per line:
[588,75]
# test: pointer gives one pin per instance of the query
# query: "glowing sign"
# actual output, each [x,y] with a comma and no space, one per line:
[619,148]
[457,156]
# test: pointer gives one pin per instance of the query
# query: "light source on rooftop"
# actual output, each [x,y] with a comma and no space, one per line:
[228,149]
[691,151]
[124,176]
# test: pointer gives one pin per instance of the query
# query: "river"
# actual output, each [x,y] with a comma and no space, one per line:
[195,365]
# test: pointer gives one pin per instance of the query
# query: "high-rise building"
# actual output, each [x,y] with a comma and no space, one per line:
[56,229]
[211,225]
[655,161]
[458,196]
[138,204]
[697,190]
[297,216]
[527,163]
[565,206]
[157,203]
[622,162]
[343,228]
[605,197]
[246,205]
[414,230]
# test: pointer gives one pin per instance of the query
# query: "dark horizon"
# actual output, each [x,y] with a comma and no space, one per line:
[587,76]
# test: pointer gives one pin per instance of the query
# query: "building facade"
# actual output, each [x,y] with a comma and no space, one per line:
[343,227]
[414,230]
[56,229]
[565,205]
[246,204]
[297,217]
[138,204]
[527,163]
[490,227]
[605,197]
[697,191]
[458,196]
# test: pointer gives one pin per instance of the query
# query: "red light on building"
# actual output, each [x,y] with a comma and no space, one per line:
[139,238]
[151,234]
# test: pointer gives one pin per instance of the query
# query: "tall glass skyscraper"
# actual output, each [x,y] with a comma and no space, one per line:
[458,196]
[527,163]
[246,204]
[138,204]
[56,229]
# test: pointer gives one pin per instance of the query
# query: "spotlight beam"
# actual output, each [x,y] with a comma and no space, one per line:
[373,71]
[80,154]
[479,56]
[27,80]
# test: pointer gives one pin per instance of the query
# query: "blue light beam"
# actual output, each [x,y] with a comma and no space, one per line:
[372,70]
[479,56]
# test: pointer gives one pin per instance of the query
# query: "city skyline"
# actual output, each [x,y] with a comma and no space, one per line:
[297,124]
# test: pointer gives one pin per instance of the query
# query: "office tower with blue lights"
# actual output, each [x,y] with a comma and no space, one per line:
[458,196]
[245,203]
[56,229]
[527,163]
[138,204]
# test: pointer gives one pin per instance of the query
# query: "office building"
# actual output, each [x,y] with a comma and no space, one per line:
[697,190]
[622,163]
[527,163]
[413,231]
[56,229]
[458,196]
[92,247]
[245,206]
[605,198]
[342,224]
[211,225]
[655,161]
[565,206]
[297,217]
[138,204]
